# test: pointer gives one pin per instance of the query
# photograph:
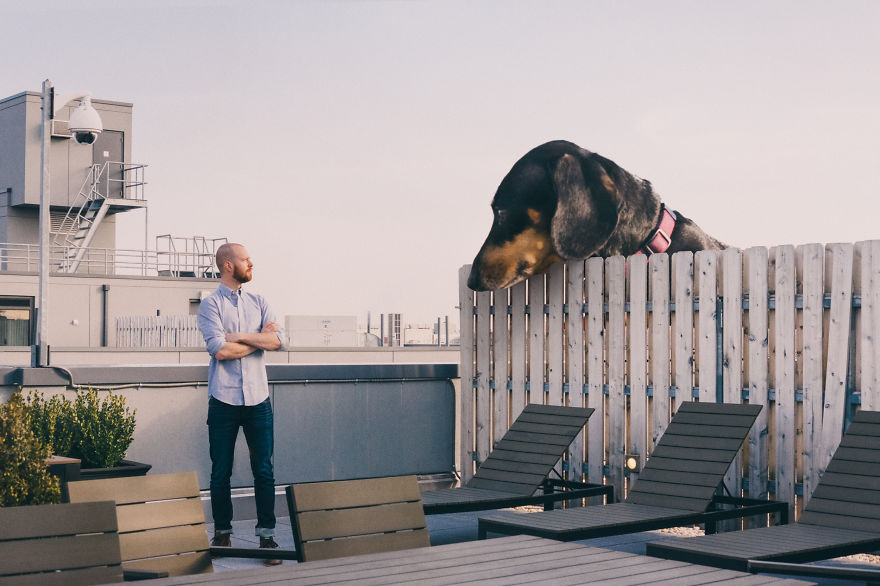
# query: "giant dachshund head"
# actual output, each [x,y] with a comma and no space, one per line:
[558,202]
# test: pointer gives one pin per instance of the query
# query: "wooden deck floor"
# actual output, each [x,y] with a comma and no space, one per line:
[462,527]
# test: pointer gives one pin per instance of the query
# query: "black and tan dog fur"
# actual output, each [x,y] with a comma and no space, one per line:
[562,202]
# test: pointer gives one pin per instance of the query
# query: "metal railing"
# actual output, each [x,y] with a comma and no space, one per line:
[107,261]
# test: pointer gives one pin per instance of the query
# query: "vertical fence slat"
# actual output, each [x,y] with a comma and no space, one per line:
[812,262]
[616,342]
[683,334]
[834,407]
[595,368]
[484,392]
[637,272]
[732,349]
[555,320]
[466,366]
[756,260]
[706,264]
[500,336]
[518,342]
[659,269]
[536,339]
[870,331]
[785,374]
[575,338]
[555,358]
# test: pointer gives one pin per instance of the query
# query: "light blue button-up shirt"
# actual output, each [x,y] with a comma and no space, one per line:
[236,381]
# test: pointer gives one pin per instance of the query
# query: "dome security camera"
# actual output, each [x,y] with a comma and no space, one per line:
[85,137]
[85,123]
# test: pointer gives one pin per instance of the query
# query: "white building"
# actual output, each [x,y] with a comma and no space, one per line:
[91,282]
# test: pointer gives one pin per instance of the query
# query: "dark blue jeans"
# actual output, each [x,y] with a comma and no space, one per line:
[223,423]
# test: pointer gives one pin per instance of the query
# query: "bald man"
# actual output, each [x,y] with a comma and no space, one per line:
[238,328]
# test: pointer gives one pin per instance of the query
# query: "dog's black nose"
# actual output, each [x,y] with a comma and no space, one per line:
[475,282]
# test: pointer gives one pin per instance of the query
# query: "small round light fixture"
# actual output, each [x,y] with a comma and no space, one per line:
[632,462]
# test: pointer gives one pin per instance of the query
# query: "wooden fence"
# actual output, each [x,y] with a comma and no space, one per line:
[158,331]
[795,329]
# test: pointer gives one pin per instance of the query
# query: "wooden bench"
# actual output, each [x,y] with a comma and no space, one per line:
[161,522]
[59,544]
[353,517]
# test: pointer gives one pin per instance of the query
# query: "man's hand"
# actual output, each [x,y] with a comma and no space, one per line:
[270,327]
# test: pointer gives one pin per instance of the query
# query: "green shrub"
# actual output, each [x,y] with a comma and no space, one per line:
[24,479]
[53,422]
[95,431]
[106,428]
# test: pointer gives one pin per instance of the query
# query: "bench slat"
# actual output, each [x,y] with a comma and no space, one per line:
[154,515]
[315,496]
[50,520]
[152,487]
[360,521]
[176,565]
[59,553]
[321,550]
[166,541]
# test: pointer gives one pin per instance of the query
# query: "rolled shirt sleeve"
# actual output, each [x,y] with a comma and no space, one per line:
[210,324]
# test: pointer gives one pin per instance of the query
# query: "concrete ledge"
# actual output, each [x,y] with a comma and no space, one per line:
[53,376]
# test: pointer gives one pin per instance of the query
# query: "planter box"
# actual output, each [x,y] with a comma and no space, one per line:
[66,469]
[125,468]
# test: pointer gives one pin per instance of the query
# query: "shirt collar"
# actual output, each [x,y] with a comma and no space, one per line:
[227,292]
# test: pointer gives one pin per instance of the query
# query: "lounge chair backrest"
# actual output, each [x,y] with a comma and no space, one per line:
[692,457]
[161,520]
[530,449]
[848,495]
[59,544]
[353,517]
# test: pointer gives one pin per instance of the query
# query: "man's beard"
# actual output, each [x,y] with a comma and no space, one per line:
[241,276]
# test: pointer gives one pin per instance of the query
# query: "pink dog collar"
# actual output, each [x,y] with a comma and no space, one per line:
[660,240]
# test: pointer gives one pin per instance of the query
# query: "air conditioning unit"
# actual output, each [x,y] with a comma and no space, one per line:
[60,130]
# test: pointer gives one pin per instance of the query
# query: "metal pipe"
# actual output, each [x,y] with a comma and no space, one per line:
[40,351]
[105,334]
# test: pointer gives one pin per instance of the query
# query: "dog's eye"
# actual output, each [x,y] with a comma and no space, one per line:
[500,216]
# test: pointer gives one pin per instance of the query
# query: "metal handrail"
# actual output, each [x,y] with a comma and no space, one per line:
[108,261]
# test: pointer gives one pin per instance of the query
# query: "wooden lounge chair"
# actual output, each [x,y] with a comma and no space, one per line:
[677,485]
[161,524]
[517,471]
[59,544]
[841,518]
[353,517]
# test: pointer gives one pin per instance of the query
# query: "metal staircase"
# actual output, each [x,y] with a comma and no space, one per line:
[91,206]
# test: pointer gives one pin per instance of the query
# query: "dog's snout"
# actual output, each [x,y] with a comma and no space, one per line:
[475,282]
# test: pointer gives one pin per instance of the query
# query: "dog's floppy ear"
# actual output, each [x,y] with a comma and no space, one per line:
[587,207]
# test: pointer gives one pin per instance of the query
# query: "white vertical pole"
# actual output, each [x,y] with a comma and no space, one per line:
[41,355]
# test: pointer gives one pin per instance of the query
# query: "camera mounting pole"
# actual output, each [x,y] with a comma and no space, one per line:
[89,120]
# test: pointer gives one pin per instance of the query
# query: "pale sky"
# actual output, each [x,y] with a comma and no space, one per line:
[354,147]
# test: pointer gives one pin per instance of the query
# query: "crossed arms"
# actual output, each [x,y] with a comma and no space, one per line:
[239,344]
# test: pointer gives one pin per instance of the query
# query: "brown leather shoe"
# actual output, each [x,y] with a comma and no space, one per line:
[221,539]
[269,543]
